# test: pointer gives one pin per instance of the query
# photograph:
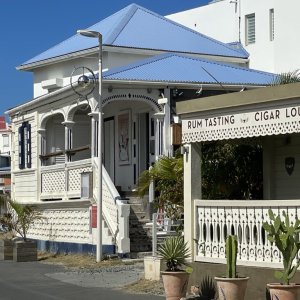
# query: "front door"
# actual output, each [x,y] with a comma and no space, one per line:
[109,146]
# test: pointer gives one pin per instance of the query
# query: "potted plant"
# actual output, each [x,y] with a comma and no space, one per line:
[285,236]
[231,287]
[18,219]
[174,252]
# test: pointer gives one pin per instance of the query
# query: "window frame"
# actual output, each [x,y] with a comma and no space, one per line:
[250,24]
[24,139]
[272,24]
[5,139]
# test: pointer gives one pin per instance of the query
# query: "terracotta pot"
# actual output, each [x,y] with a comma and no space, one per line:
[231,288]
[284,292]
[175,284]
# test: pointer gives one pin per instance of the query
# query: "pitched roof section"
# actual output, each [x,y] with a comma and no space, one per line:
[137,27]
[2,122]
[183,69]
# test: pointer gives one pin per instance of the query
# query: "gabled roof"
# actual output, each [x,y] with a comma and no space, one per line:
[185,69]
[137,27]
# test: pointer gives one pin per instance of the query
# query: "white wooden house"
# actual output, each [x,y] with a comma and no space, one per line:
[145,58]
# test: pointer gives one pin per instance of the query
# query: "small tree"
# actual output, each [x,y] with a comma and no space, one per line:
[167,174]
[20,217]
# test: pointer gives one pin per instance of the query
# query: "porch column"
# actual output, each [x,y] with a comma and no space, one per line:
[192,190]
[94,131]
[68,137]
[159,117]
[166,126]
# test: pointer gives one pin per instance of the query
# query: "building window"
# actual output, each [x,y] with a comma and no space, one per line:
[250,29]
[5,140]
[272,28]
[25,145]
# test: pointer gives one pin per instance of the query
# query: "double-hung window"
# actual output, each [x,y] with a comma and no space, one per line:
[250,29]
[25,146]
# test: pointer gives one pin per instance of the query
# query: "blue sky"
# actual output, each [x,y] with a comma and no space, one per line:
[33,26]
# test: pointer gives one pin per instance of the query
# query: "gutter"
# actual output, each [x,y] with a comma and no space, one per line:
[68,89]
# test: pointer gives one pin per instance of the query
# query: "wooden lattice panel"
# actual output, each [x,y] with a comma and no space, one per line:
[53,181]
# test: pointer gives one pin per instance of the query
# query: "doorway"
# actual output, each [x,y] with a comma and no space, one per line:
[109,147]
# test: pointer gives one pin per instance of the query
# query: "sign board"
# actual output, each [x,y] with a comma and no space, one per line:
[248,124]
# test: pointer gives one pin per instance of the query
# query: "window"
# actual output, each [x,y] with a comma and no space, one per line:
[25,145]
[250,29]
[5,140]
[272,24]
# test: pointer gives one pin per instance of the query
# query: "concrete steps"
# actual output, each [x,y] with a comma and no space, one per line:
[139,232]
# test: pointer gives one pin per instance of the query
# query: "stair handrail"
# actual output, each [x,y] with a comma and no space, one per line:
[119,223]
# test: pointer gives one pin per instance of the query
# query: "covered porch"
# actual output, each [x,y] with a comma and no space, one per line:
[269,117]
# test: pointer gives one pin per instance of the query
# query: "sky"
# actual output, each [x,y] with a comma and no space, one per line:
[33,26]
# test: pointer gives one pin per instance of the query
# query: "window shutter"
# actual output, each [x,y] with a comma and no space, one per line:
[28,145]
[21,148]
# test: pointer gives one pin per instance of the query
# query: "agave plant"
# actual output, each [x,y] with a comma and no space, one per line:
[175,252]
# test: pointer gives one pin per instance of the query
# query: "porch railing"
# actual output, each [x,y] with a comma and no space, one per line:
[63,181]
[115,211]
[215,219]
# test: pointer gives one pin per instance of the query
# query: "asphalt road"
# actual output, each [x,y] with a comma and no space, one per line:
[33,281]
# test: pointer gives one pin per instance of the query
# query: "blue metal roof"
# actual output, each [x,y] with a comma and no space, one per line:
[137,27]
[185,69]
[239,47]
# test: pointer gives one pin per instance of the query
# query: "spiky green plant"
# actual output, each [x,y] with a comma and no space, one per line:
[175,252]
[285,236]
[231,256]
[20,217]
[286,77]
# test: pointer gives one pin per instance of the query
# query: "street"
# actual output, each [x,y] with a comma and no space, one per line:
[33,281]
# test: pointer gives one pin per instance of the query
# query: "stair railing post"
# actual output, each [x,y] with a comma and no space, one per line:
[154,234]
[123,240]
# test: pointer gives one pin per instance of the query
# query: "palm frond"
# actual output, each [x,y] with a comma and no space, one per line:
[286,78]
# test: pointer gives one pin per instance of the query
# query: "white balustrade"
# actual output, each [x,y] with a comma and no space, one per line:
[63,180]
[216,219]
[115,211]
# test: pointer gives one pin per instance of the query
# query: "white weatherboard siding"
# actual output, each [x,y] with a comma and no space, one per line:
[220,20]
[25,182]
[25,186]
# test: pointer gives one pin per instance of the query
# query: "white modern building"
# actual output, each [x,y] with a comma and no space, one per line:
[266,29]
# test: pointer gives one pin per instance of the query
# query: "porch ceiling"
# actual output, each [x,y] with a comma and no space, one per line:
[257,96]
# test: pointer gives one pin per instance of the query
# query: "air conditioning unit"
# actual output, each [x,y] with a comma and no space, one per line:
[86,185]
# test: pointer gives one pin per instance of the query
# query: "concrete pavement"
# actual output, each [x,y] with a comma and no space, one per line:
[34,281]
